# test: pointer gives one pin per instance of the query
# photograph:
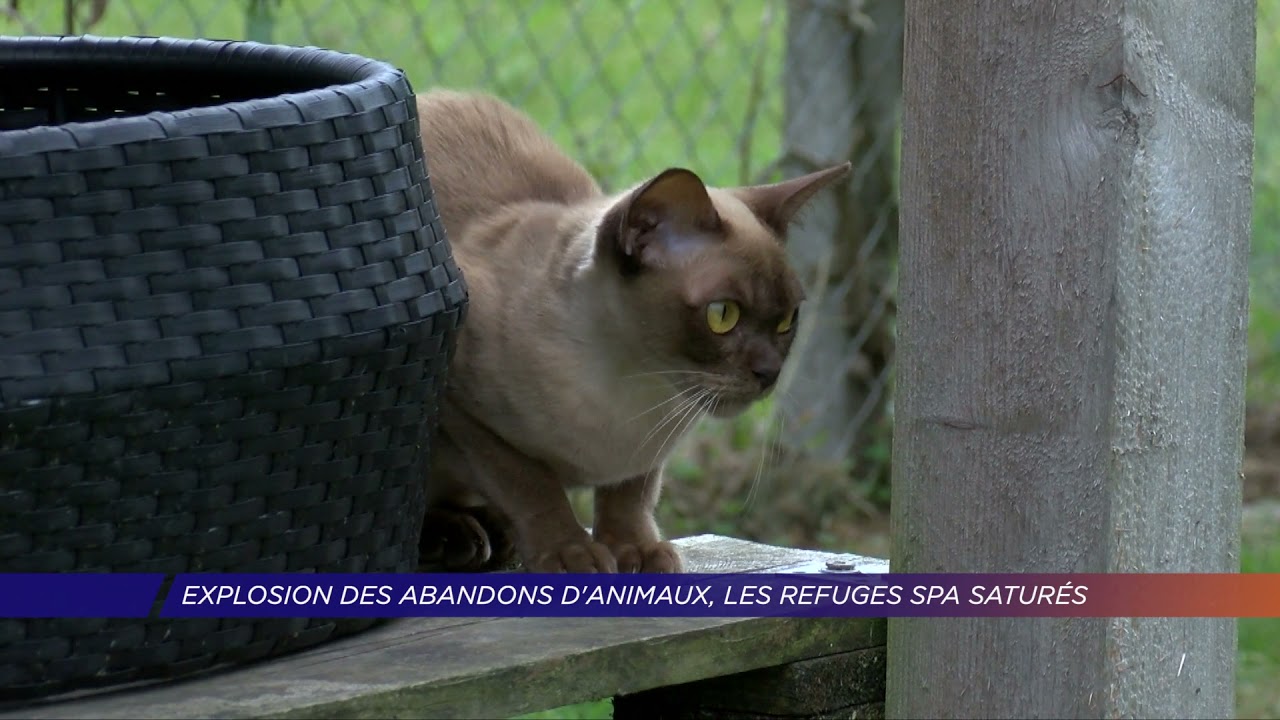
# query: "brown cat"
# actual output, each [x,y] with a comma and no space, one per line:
[600,328]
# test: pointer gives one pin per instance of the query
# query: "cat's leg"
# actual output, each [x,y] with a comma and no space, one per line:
[624,522]
[543,529]
[459,532]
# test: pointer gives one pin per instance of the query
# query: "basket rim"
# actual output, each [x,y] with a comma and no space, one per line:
[357,83]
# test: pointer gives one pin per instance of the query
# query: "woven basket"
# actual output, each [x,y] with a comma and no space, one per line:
[226,310]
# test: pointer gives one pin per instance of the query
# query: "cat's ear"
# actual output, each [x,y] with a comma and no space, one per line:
[777,204]
[661,221]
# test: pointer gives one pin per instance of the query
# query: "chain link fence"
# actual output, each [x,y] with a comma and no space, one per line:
[1262,426]
[742,91]
[628,87]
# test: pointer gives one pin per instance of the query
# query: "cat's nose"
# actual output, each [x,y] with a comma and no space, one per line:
[767,374]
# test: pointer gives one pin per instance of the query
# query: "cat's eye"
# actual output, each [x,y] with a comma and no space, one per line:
[785,326]
[722,316]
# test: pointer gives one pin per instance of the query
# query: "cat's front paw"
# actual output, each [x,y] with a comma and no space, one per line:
[654,557]
[585,556]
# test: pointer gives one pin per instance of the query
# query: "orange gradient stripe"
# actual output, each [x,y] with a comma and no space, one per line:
[1183,595]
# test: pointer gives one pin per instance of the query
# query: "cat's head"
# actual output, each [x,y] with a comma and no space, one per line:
[704,280]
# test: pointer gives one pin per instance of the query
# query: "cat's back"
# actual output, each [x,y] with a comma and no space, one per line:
[483,154]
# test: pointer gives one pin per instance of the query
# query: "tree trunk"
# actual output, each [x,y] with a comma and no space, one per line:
[843,85]
[1071,331]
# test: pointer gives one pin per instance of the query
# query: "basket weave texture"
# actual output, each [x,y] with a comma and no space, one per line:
[227,306]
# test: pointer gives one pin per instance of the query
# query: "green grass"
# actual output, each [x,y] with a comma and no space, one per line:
[598,710]
[1258,669]
[1257,691]
[1264,271]
[632,87]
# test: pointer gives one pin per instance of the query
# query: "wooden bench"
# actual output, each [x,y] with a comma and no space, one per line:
[470,667]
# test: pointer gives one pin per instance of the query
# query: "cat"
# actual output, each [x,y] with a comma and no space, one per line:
[599,329]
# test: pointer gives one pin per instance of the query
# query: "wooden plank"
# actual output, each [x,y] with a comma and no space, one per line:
[497,667]
[844,685]
[1071,316]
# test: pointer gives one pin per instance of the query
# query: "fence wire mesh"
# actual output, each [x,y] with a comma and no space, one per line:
[626,85]
[742,91]
[1262,425]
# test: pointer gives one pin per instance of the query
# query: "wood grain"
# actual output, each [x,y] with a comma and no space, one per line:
[498,667]
[1072,309]
[844,685]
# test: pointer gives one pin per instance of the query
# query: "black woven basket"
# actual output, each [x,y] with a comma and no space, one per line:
[226,310]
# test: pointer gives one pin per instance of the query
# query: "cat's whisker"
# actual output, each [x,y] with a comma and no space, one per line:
[769,451]
[677,378]
[672,414]
[776,451]
[777,437]
[668,401]
[676,428]
[690,413]
[755,482]
[675,414]
[694,373]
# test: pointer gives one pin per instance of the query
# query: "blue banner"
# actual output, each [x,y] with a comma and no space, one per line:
[541,595]
[797,594]
[78,595]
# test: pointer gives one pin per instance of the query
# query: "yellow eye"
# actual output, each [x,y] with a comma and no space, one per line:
[785,325]
[722,316]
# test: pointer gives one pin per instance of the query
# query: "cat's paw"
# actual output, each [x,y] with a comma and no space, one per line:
[585,556]
[453,540]
[654,557]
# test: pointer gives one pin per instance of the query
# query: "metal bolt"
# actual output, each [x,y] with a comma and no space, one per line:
[841,566]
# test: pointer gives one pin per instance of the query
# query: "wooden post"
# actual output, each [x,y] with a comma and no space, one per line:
[1072,307]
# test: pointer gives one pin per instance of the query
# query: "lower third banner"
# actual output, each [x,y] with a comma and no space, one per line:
[693,595]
